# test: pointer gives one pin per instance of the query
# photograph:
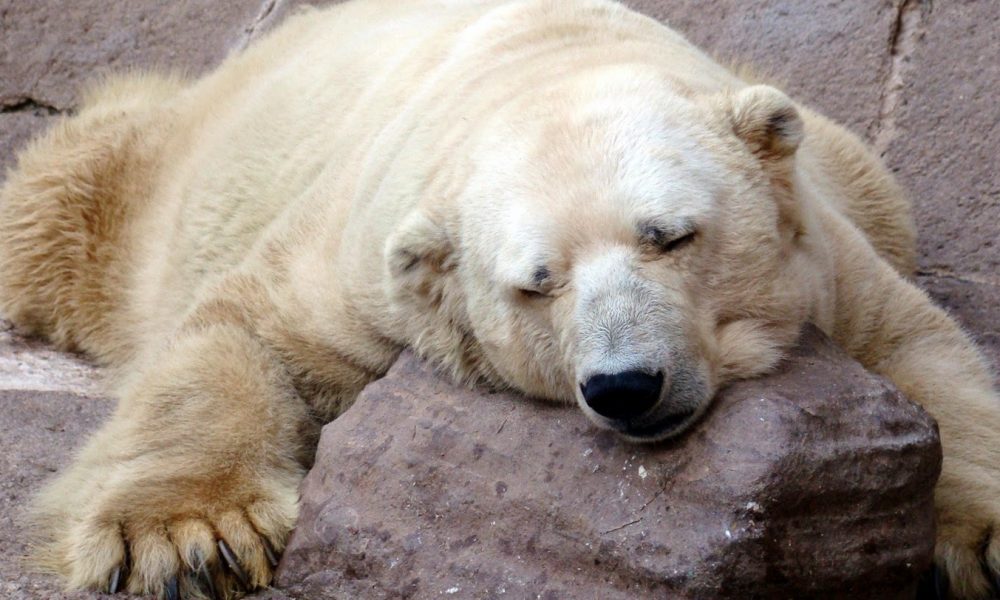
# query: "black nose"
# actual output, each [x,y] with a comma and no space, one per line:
[622,396]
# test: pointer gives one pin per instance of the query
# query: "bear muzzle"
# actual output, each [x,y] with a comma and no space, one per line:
[644,407]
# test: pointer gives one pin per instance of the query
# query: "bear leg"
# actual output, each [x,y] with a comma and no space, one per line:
[191,489]
[894,329]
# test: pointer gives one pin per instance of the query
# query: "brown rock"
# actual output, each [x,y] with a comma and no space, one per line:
[41,428]
[276,11]
[50,403]
[946,135]
[975,304]
[831,55]
[48,48]
[28,364]
[814,482]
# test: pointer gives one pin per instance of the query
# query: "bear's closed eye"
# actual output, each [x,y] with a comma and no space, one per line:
[531,294]
[664,241]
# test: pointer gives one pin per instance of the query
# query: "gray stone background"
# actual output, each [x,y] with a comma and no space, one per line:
[917,79]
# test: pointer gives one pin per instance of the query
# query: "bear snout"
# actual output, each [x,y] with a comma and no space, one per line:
[623,396]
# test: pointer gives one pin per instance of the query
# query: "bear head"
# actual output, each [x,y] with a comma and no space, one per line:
[629,245]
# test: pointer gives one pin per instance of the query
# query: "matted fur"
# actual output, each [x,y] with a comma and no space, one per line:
[496,185]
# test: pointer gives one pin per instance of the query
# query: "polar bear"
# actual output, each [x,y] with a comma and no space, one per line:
[557,196]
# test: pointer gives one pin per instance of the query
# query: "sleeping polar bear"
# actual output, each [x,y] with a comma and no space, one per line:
[558,196]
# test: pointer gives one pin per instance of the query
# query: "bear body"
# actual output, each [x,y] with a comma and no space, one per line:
[557,196]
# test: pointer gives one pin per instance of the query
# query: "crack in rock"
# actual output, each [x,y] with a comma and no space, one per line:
[265,13]
[908,28]
[945,273]
[29,104]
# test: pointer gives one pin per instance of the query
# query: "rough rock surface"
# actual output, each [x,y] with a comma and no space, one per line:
[49,48]
[945,136]
[975,304]
[49,403]
[780,41]
[813,482]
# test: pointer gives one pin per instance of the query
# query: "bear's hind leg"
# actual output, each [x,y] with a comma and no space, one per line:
[66,211]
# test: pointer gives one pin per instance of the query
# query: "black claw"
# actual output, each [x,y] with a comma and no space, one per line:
[234,565]
[171,589]
[200,577]
[205,581]
[115,580]
[272,559]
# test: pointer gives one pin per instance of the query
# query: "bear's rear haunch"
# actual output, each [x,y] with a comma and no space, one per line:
[65,214]
[561,197]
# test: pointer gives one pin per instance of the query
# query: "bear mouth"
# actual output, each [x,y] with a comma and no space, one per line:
[660,429]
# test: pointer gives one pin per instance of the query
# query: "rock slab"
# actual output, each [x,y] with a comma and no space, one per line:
[813,482]
[50,401]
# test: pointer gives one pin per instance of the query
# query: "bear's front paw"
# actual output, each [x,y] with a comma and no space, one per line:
[967,554]
[177,537]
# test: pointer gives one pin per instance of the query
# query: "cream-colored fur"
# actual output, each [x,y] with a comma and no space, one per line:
[528,193]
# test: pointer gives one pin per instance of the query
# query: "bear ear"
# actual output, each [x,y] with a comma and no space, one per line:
[767,122]
[418,252]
